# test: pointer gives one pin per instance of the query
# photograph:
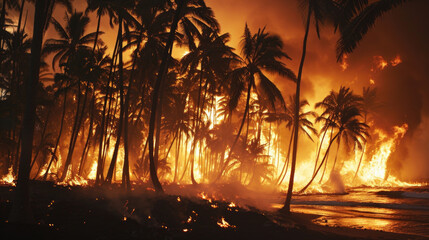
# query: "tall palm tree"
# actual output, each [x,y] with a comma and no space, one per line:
[21,209]
[321,10]
[342,113]
[261,51]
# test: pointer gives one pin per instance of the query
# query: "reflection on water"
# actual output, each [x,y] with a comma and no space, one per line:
[389,210]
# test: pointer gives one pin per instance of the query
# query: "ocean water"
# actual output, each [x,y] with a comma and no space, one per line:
[398,210]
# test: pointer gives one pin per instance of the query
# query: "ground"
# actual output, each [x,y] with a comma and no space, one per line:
[64,212]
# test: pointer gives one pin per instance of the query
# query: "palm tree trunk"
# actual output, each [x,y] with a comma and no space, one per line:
[104,122]
[286,207]
[156,93]
[323,160]
[88,139]
[2,21]
[336,154]
[327,158]
[121,110]
[245,115]
[20,211]
[42,136]
[96,33]
[286,164]
[360,161]
[21,9]
[58,138]
[75,132]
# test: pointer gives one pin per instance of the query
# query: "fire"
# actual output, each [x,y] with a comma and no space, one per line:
[224,224]
[9,178]
[379,62]
[396,61]
[374,172]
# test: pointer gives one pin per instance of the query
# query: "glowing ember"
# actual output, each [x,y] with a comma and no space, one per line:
[232,205]
[224,224]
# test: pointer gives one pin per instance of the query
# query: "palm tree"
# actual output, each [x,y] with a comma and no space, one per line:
[342,113]
[102,7]
[369,105]
[214,58]
[72,38]
[21,209]
[71,50]
[11,4]
[261,52]
[321,10]
[202,16]
[306,127]
[359,17]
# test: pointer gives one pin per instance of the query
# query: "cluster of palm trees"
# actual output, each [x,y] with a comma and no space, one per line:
[139,106]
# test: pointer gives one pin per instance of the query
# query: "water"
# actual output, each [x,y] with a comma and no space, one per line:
[398,210]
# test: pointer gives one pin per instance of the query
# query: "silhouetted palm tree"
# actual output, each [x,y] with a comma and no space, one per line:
[369,105]
[306,127]
[261,52]
[72,38]
[359,18]
[321,10]
[202,15]
[343,114]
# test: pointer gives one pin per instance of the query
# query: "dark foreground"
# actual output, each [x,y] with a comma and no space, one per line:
[111,213]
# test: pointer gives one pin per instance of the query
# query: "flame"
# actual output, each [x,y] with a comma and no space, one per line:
[8,179]
[224,224]
[396,61]
[379,62]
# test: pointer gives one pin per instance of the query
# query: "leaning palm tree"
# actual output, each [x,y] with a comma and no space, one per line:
[261,51]
[342,113]
[369,105]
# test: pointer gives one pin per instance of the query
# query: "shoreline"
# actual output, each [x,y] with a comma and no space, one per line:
[304,220]
[66,212]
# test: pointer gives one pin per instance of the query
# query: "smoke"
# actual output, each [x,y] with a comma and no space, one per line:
[401,88]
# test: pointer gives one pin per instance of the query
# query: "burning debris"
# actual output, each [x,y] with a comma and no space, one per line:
[224,224]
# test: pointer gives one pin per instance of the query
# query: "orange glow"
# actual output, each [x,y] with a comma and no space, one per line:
[379,62]
[224,224]
[9,178]
[396,61]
